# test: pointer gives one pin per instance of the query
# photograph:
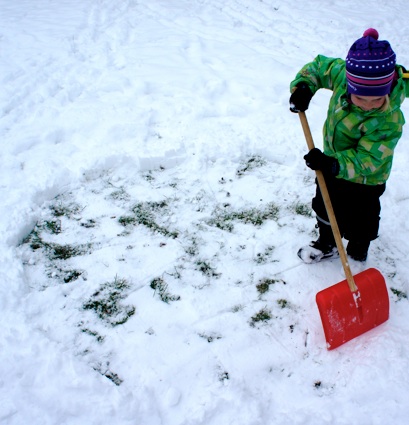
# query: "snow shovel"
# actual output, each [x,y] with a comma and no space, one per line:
[355,305]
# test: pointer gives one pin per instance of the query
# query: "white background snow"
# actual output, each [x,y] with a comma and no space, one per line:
[180,107]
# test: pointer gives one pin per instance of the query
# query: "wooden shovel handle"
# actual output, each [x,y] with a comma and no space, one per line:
[328,207]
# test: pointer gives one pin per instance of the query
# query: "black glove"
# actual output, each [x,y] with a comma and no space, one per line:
[300,99]
[316,160]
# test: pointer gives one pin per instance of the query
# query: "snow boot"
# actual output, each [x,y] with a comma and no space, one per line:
[317,251]
[358,250]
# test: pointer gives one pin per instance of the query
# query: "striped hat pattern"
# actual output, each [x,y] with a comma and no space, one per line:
[370,66]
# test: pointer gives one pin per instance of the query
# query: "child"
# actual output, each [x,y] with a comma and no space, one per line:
[363,126]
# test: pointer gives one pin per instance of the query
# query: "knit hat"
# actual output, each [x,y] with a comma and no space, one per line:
[370,66]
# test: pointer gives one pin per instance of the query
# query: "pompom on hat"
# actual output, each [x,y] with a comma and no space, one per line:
[370,66]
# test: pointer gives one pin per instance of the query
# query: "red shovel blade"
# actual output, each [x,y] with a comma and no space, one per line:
[346,314]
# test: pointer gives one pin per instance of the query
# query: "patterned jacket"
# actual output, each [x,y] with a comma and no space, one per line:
[362,141]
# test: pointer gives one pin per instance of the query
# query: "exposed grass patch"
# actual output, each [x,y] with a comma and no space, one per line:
[105,371]
[223,376]
[200,200]
[88,224]
[264,257]
[302,209]
[143,214]
[193,248]
[249,164]
[161,288]
[119,195]
[64,252]
[148,176]
[65,276]
[264,284]
[99,338]
[50,226]
[223,218]
[113,377]
[399,294]
[206,269]
[210,337]
[60,209]
[106,302]
[263,315]
[55,251]
[33,239]
[127,220]
[283,303]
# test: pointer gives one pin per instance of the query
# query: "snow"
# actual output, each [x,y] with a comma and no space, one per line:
[179,110]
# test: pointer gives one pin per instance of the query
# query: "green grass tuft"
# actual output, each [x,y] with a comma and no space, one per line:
[399,294]
[106,303]
[161,288]
[263,315]
[64,252]
[65,276]
[55,251]
[120,195]
[206,269]
[264,257]
[100,339]
[60,209]
[52,226]
[302,209]
[283,303]
[264,284]
[143,214]
[223,218]
[250,164]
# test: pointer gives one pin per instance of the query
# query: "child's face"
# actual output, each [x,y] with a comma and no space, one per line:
[366,103]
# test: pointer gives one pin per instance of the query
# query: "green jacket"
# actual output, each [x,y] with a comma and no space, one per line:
[363,142]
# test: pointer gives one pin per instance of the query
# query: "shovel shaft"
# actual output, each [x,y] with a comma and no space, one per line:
[328,207]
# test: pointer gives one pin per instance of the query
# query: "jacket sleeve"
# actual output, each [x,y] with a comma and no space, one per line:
[322,72]
[371,161]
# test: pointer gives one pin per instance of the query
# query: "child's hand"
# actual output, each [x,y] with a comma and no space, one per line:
[316,160]
[300,99]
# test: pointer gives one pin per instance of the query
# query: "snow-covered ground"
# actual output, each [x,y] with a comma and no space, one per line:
[154,196]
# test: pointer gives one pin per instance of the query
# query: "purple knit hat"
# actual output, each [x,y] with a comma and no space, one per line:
[370,66]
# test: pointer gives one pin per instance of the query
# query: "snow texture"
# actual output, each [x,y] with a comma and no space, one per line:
[154,197]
